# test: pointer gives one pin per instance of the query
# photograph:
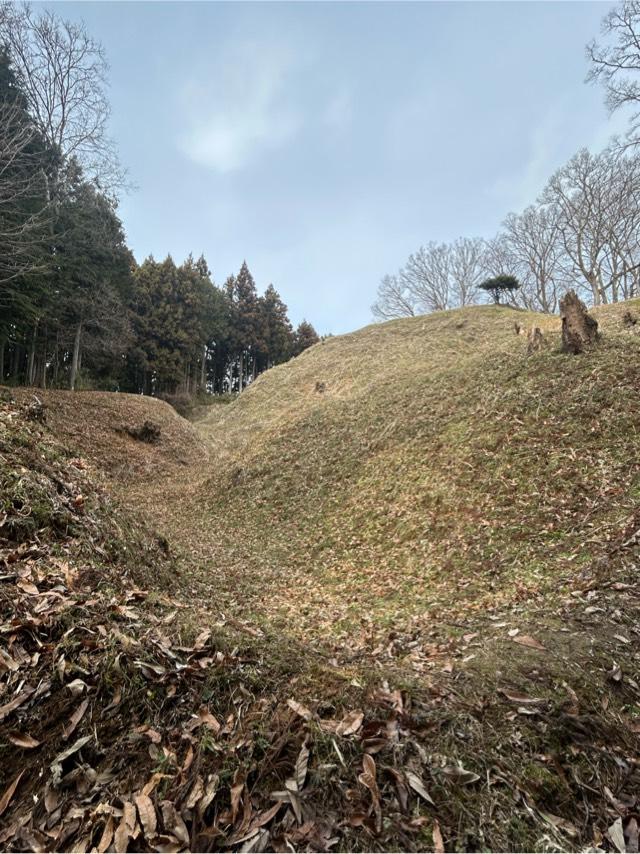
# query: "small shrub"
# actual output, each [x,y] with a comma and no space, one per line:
[148,432]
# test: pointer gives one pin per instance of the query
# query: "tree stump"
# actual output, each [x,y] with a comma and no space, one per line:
[535,340]
[579,329]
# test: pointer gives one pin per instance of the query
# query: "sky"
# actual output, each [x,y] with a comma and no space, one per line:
[325,142]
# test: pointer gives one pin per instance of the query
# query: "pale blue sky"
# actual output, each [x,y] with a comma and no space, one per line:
[324,142]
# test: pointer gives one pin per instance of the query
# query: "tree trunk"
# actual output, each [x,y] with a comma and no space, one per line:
[43,373]
[15,371]
[75,362]
[31,364]
[3,344]
[203,370]
[56,357]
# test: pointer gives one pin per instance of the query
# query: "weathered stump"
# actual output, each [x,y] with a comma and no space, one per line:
[535,340]
[579,329]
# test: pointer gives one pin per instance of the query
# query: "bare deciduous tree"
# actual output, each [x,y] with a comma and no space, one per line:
[595,196]
[63,74]
[532,245]
[23,208]
[466,269]
[426,277]
[436,277]
[616,62]
[394,300]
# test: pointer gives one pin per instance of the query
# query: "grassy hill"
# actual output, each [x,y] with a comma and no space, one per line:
[440,471]
[385,600]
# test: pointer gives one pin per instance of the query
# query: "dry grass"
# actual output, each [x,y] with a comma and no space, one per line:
[386,543]
[91,422]
[441,472]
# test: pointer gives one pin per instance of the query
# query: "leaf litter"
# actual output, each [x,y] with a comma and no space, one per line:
[188,742]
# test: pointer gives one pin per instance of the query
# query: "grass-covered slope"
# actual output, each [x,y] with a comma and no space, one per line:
[391,604]
[95,424]
[436,471]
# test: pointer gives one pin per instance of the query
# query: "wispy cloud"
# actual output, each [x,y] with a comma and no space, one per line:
[545,154]
[549,150]
[244,112]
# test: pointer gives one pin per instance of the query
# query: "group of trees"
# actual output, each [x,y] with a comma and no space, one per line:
[74,305]
[583,232]
[187,335]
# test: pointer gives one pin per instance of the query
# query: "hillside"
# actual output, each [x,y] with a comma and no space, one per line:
[441,471]
[92,423]
[386,600]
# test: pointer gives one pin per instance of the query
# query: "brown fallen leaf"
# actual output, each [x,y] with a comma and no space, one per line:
[56,765]
[236,793]
[75,719]
[560,823]
[107,835]
[615,673]
[350,723]
[293,795]
[299,709]
[10,791]
[616,835]
[153,781]
[631,835]
[29,588]
[438,842]
[174,823]
[459,774]
[187,760]
[520,699]
[147,815]
[6,662]
[302,764]
[208,719]
[77,687]
[23,740]
[197,791]
[210,791]
[527,640]
[202,639]
[125,828]
[368,779]
[265,817]
[12,705]
[417,785]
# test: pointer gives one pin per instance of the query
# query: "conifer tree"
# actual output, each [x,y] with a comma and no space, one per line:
[305,336]
[277,332]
